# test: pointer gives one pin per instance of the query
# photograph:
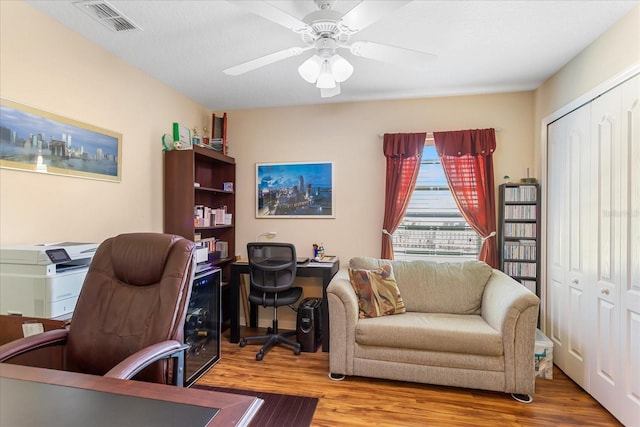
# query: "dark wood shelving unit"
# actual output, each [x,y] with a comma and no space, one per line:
[519,228]
[196,177]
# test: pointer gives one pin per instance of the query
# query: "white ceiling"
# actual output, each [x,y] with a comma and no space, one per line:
[481,47]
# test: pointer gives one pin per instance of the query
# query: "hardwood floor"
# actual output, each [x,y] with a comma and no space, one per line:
[365,402]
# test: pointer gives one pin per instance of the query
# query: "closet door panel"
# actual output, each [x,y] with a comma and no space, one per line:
[568,227]
[630,276]
[556,247]
[579,174]
[606,370]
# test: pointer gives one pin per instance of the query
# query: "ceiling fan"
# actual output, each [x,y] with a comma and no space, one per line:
[325,31]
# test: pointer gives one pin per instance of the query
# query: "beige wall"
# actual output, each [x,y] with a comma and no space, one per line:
[45,65]
[347,134]
[617,50]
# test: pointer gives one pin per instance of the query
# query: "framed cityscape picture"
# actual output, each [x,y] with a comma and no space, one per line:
[38,141]
[295,190]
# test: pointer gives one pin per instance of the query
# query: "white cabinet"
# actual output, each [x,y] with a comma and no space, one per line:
[593,251]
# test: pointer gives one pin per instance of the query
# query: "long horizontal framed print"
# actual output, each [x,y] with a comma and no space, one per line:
[39,141]
[295,190]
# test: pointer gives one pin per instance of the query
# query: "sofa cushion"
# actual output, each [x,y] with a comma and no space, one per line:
[441,332]
[377,292]
[436,287]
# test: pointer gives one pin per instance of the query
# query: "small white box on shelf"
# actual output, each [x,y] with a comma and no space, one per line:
[219,216]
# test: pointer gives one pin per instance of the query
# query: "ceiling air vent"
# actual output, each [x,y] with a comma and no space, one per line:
[107,15]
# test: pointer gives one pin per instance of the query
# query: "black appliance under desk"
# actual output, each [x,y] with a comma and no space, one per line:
[202,328]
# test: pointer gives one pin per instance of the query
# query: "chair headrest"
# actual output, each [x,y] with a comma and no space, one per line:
[139,258]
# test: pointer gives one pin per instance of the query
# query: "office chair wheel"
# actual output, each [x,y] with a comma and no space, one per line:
[296,351]
[259,356]
[269,330]
[243,342]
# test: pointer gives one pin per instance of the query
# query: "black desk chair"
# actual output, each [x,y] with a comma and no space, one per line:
[272,270]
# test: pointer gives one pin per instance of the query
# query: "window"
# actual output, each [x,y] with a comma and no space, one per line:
[433,227]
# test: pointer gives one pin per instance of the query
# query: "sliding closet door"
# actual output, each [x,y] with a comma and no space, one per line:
[593,252]
[630,301]
[609,191]
[615,371]
[568,238]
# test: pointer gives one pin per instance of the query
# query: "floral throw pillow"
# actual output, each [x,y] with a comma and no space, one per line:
[377,292]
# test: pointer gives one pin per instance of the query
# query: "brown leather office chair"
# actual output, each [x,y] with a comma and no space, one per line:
[130,314]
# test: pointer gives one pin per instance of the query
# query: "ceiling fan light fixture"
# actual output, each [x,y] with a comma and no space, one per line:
[325,78]
[341,68]
[328,93]
[310,69]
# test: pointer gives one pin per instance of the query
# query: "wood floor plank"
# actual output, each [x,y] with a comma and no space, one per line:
[365,402]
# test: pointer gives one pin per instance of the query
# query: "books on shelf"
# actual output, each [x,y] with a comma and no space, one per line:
[519,212]
[520,269]
[520,230]
[520,249]
[521,193]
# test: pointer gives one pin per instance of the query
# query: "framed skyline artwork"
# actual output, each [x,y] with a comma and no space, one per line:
[295,190]
[38,141]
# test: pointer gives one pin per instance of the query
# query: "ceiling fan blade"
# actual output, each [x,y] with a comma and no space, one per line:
[392,54]
[264,60]
[273,14]
[328,93]
[366,13]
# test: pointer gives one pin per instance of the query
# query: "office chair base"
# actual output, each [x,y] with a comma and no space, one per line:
[270,341]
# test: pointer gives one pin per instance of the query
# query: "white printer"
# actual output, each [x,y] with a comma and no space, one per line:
[43,280]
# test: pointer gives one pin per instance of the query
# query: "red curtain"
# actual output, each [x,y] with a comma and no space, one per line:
[403,152]
[467,160]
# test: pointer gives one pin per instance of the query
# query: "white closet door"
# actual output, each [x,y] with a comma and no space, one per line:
[556,246]
[609,170]
[615,371]
[593,253]
[630,301]
[568,237]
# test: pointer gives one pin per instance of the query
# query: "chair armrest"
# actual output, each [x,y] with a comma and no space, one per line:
[27,344]
[511,309]
[139,360]
[343,318]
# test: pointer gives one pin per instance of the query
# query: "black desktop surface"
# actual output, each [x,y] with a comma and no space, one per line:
[56,405]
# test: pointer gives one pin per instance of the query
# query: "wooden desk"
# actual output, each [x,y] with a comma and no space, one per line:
[39,396]
[326,273]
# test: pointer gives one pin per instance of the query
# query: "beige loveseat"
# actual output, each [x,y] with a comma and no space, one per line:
[465,325]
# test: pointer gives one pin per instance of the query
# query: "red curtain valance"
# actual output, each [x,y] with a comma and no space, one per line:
[476,142]
[403,145]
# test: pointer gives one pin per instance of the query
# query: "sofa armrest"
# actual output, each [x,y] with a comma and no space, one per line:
[512,310]
[343,317]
